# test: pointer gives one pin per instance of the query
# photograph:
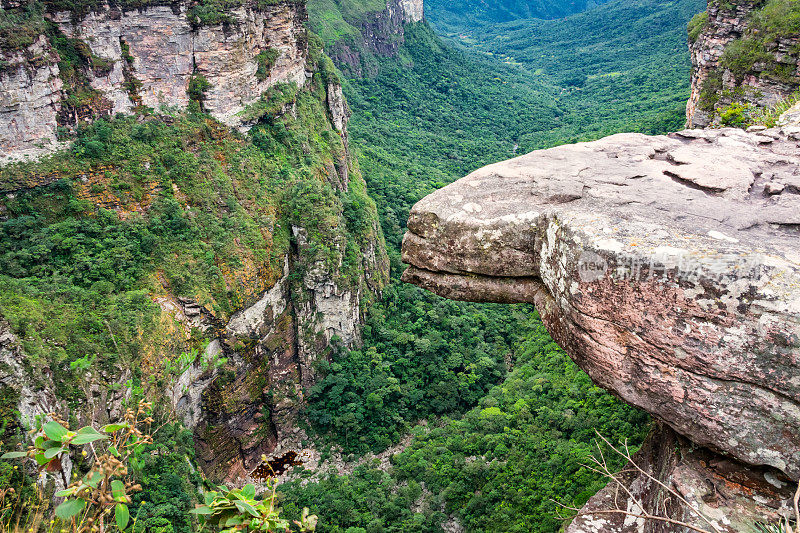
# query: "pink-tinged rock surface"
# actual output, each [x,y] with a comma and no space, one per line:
[723,494]
[667,267]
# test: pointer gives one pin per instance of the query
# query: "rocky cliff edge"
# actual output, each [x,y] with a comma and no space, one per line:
[667,267]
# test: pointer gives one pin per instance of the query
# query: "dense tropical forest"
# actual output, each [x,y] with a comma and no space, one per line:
[441,111]
[501,421]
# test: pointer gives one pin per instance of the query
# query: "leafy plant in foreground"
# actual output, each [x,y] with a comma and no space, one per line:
[106,487]
[233,510]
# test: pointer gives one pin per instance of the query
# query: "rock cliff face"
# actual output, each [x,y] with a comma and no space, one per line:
[378,32]
[275,344]
[740,55]
[666,267]
[243,392]
[30,92]
[149,57]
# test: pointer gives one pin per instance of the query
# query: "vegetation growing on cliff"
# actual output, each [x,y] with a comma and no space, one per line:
[757,51]
[164,204]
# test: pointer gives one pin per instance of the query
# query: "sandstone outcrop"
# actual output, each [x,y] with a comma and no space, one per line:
[667,267]
[714,85]
[374,32]
[149,57]
[163,51]
[30,91]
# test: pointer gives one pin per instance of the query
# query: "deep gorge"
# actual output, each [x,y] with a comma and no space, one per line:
[203,206]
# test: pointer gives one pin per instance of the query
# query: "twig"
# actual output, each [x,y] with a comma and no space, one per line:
[796,507]
[627,456]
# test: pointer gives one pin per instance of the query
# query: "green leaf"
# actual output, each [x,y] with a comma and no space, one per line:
[246,508]
[233,521]
[40,459]
[113,450]
[55,431]
[118,490]
[122,515]
[249,491]
[201,509]
[69,508]
[93,479]
[111,428]
[208,497]
[64,493]
[88,434]
[52,452]
[13,455]
[46,445]
[86,439]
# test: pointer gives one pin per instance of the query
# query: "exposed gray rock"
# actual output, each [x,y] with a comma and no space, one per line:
[658,263]
[340,111]
[35,390]
[166,51]
[412,10]
[30,92]
[791,117]
[721,493]
[158,47]
[728,22]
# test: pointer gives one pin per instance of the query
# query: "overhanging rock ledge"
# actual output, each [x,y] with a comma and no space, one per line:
[668,268]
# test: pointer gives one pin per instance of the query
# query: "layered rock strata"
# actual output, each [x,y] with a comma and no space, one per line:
[150,57]
[30,94]
[667,267]
[715,85]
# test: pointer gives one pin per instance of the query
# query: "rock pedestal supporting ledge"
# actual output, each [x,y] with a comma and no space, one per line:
[667,267]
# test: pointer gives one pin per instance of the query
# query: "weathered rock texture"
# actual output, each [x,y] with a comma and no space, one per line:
[165,51]
[728,495]
[714,86]
[667,267]
[149,57]
[30,91]
[275,345]
[379,33]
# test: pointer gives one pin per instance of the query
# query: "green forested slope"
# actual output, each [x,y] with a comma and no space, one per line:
[458,16]
[417,125]
[622,67]
[498,467]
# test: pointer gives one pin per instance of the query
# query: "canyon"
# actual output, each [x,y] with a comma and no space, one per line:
[292,312]
[665,266]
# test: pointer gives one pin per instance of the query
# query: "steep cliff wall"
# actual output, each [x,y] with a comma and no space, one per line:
[744,53]
[353,34]
[151,57]
[247,259]
[30,95]
[667,268]
[162,49]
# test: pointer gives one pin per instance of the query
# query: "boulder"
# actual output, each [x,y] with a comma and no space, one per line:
[668,267]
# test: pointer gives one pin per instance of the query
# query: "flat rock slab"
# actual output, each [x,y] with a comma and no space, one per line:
[667,267]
